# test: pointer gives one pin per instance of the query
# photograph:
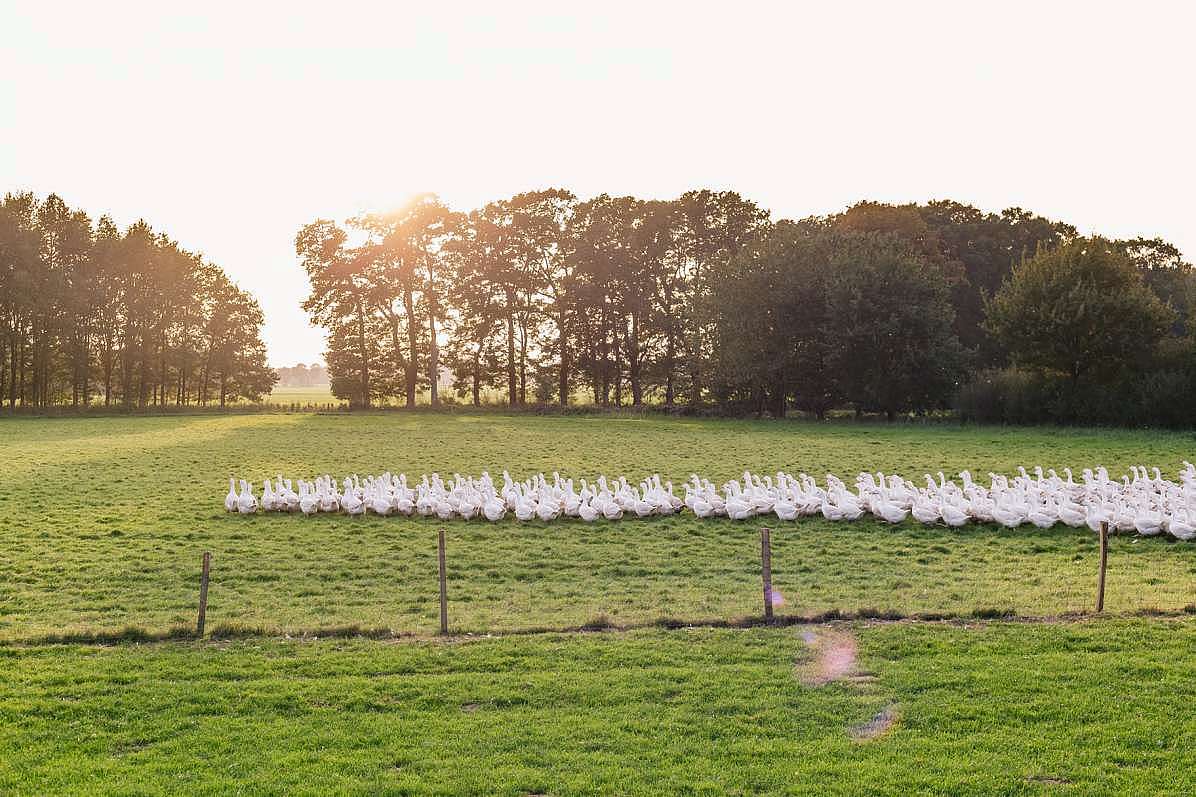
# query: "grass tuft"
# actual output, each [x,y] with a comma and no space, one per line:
[869,613]
[993,613]
[238,631]
[598,623]
[126,635]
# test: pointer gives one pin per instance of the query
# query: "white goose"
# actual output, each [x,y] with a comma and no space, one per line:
[246,503]
[587,512]
[309,502]
[1143,502]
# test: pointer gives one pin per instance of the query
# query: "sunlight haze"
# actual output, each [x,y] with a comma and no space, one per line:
[231,126]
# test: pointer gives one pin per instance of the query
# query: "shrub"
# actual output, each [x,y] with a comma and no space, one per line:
[1154,397]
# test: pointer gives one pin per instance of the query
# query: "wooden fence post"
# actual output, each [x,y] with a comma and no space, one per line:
[1104,560]
[766,571]
[203,594]
[443,589]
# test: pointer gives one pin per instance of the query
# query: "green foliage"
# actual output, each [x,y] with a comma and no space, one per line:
[829,316]
[975,251]
[1154,397]
[772,319]
[87,311]
[1080,309]
[1170,277]
[619,301]
[889,323]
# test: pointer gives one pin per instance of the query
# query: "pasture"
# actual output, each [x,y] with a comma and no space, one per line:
[302,396]
[1087,708]
[103,522]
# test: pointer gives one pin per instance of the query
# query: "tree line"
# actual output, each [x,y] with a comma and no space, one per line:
[701,301]
[537,297]
[92,314]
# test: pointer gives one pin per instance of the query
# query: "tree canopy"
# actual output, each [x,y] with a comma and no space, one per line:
[89,312]
[701,300]
[1077,308]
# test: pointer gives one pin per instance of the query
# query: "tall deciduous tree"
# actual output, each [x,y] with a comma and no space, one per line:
[340,300]
[86,309]
[772,311]
[1077,309]
[889,320]
[541,243]
[712,228]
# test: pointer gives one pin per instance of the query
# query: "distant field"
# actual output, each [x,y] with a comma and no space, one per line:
[320,396]
[302,396]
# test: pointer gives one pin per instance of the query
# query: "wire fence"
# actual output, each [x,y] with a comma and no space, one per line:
[464,607]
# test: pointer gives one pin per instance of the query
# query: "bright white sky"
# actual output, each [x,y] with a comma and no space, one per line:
[230,126]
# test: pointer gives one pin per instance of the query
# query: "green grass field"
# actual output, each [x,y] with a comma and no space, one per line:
[103,522]
[1089,708]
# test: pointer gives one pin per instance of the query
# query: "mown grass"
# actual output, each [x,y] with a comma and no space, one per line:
[1099,707]
[103,521]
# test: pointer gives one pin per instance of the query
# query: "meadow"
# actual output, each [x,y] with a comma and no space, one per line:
[1095,707]
[103,522]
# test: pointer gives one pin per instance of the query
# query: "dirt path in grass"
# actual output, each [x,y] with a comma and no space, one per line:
[834,657]
[877,726]
[834,660]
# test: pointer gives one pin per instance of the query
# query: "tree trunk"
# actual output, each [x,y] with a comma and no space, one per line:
[477,377]
[362,353]
[163,371]
[670,352]
[523,361]
[617,363]
[433,348]
[400,364]
[12,373]
[433,361]
[696,353]
[512,383]
[126,366]
[564,354]
[604,337]
[24,358]
[634,362]
[413,342]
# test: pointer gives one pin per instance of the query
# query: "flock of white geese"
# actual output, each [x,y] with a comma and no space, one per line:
[1142,501]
